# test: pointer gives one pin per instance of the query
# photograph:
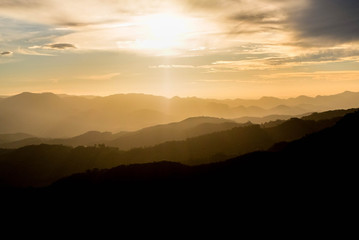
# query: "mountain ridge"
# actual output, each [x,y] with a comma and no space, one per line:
[52,116]
[42,164]
[318,169]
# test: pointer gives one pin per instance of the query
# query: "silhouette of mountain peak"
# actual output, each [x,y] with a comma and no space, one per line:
[281,107]
[204,118]
[348,92]
[269,98]
[34,96]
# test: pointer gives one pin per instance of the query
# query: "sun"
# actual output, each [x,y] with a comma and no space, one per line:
[165,31]
[167,26]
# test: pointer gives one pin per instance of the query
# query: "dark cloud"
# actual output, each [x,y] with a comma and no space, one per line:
[59,46]
[20,3]
[6,53]
[260,18]
[209,4]
[263,17]
[330,55]
[331,20]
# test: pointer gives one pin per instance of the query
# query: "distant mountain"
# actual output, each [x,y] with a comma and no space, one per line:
[146,137]
[4,138]
[286,110]
[185,129]
[87,139]
[252,111]
[343,100]
[62,116]
[275,120]
[35,114]
[40,165]
[151,136]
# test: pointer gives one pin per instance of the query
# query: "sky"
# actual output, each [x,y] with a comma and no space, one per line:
[203,48]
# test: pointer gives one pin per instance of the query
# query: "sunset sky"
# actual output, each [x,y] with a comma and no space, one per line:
[203,48]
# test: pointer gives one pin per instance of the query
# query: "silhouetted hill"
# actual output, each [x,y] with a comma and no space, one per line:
[295,128]
[270,118]
[188,128]
[318,168]
[42,164]
[329,114]
[39,165]
[275,120]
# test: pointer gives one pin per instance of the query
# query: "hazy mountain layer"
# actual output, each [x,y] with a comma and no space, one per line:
[53,116]
[42,164]
[6,138]
[158,134]
[150,136]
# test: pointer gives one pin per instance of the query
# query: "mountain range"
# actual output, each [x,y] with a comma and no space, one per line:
[308,177]
[47,115]
[40,165]
[150,136]
[316,172]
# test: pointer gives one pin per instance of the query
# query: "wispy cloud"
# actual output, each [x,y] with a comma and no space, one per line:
[106,76]
[332,76]
[6,53]
[276,62]
[55,46]
[236,66]
[25,51]
[321,56]
[59,46]
[173,66]
[20,4]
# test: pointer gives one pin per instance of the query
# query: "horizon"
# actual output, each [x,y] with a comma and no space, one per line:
[183,97]
[220,49]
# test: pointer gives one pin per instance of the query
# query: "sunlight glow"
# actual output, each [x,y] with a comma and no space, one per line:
[164,32]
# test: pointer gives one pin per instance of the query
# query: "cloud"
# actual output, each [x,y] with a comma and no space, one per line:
[65,13]
[328,20]
[55,46]
[173,66]
[104,23]
[6,53]
[257,17]
[20,3]
[24,51]
[260,62]
[107,76]
[209,4]
[333,76]
[218,25]
[236,66]
[321,56]
[59,46]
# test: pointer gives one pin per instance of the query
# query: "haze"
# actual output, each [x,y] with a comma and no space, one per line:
[209,49]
